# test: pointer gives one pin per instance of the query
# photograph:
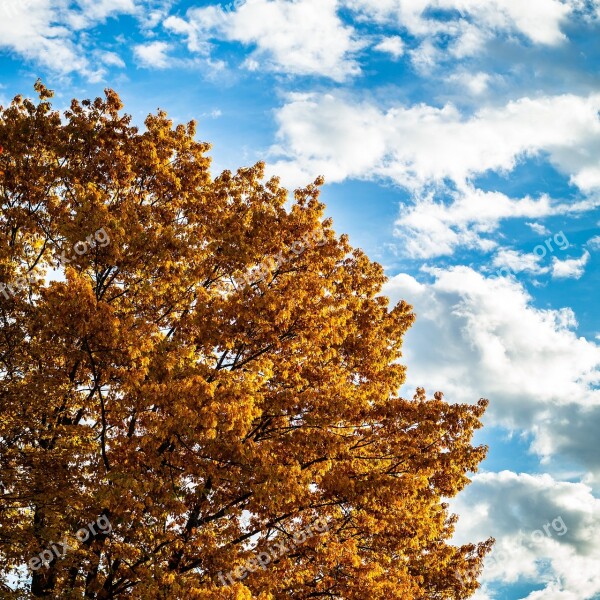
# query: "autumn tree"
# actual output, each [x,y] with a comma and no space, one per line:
[203,364]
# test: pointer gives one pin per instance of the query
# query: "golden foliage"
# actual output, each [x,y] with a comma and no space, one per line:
[206,419]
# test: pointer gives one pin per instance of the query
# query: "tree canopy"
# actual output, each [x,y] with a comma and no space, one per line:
[195,370]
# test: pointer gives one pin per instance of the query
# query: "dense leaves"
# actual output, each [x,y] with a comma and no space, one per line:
[206,366]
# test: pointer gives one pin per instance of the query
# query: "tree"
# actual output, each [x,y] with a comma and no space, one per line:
[196,376]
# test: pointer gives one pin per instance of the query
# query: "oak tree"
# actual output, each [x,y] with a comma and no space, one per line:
[202,363]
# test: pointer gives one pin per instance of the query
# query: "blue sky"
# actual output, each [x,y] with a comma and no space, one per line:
[457,138]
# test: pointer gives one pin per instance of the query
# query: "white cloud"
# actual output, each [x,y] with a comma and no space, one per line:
[99,10]
[470,219]
[112,59]
[154,13]
[518,262]
[425,56]
[455,29]
[216,113]
[478,336]
[341,138]
[304,37]
[392,45]
[325,134]
[545,530]
[429,228]
[475,83]
[594,243]
[538,20]
[33,29]
[571,268]
[153,55]
[309,37]
[191,30]
[432,228]
[51,32]
[459,39]
[538,228]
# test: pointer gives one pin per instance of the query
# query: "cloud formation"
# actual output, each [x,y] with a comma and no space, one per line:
[322,38]
[518,262]
[153,55]
[310,37]
[429,150]
[545,528]
[48,32]
[570,268]
[414,146]
[306,37]
[540,21]
[431,228]
[470,218]
[481,336]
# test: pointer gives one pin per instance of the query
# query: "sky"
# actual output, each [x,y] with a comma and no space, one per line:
[460,143]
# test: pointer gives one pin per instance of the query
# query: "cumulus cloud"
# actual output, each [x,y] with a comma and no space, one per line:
[153,55]
[431,228]
[540,21]
[413,146]
[475,83]
[423,146]
[545,532]
[98,10]
[518,262]
[298,37]
[305,37]
[111,59]
[47,32]
[471,217]
[571,268]
[478,336]
[34,30]
[594,243]
[392,45]
[538,228]
[444,30]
